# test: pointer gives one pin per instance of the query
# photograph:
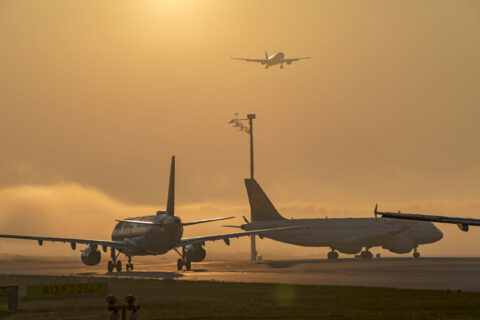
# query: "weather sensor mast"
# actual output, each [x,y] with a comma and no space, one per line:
[238,123]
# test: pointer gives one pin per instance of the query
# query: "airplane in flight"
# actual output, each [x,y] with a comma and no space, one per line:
[345,235]
[462,223]
[277,58]
[149,235]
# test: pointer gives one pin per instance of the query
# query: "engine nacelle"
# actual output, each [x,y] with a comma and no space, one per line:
[91,256]
[195,252]
[399,245]
[349,250]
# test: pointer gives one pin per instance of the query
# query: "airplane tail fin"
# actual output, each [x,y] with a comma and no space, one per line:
[171,190]
[261,207]
[266,54]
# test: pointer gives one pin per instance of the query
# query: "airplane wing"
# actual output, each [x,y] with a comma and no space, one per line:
[262,61]
[112,244]
[151,223]
[462,223]
[204,221]
[228,236]
[295,59]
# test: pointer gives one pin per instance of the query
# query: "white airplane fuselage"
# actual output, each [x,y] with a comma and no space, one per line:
[350,235]
[347,235]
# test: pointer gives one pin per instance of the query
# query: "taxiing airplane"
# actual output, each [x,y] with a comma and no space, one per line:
[346,235]
[462,223]
[148,235]
[277,58]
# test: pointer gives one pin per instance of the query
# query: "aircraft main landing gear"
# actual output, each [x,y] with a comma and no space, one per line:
[129,265]
[366,254]
[114,264]
[332,255]
[183,261]
[416,254]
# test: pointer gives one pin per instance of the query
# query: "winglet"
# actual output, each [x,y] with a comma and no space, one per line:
[375,211]
[171,190]
[246,220]
[266,54]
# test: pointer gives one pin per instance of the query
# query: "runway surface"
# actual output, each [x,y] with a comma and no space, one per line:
[424,273]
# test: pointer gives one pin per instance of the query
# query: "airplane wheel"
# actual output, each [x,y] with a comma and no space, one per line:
[110,266]
[366,255]
[332,255]
[188,265]
[416,255]
[131,266]
[127,267]
[119,266]
[179,264]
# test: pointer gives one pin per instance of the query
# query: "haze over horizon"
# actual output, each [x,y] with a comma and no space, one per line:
[96,96]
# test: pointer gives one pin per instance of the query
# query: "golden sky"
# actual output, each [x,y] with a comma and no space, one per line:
[95,96]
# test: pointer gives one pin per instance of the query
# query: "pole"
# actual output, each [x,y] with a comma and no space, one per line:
[250,119]
[12,298]
[253,247]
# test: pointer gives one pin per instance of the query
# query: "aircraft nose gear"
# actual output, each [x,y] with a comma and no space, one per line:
[114,264]
[366,254]
[183,261]
[416,254]
[281,66]
[332,255]
[129,265]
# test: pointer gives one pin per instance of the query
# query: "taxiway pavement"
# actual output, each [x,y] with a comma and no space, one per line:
[424,273]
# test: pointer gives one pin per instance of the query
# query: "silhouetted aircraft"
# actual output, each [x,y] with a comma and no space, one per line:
[347,235]
[277,58]
[148,235]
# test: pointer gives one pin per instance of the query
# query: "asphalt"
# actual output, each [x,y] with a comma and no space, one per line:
[424,273]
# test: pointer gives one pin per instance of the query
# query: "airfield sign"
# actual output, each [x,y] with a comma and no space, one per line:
[73,289]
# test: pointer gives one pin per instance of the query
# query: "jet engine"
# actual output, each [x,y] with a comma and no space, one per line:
[349,250]
[195,252]
[91,256]
[399,245]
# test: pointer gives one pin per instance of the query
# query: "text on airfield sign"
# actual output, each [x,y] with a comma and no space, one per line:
[73,289]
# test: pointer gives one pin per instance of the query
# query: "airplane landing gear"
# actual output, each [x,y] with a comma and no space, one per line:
[114,264]
[332,255]
[129,265]
[266,67]
[179,264]
[281,66]
[183,261]
[366,254]
[416,254]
